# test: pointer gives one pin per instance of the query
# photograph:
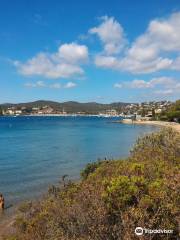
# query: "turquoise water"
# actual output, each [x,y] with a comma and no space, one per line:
[36,151]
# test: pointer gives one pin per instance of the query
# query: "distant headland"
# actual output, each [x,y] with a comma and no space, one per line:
[153,110]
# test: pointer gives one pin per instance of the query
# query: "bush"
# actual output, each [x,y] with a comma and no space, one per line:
[113,198]
[172,114]
[90,168]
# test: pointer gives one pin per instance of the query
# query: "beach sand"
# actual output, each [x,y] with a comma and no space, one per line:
[173,125]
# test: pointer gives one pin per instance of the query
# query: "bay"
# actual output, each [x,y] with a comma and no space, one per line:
[36,151]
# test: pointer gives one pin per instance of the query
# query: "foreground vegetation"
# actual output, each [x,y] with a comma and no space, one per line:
[113,197]
[172,114]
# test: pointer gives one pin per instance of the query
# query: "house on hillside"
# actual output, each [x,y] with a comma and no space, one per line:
[111,112]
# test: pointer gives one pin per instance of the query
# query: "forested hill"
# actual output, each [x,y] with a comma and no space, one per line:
[70,106]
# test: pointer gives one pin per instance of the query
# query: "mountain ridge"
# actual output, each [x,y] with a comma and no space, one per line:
[69,106]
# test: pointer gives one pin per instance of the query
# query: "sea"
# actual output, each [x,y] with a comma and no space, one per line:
[35,152]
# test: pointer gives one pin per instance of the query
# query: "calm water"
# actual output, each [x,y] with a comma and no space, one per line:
[36,151]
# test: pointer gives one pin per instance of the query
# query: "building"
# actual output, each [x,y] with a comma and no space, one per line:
[18,112]
[10,111]
[111,112]
[158,110]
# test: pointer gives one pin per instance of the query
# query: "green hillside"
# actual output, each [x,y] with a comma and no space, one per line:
[70,106]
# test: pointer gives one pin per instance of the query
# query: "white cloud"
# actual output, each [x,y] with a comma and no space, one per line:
[169,89]
[55,85]
[161,35]
[176,64]
[63,64]
[140,84]
[106,61]
[38,84]
[136,84]
[130,65]
[164,92]
[165,34]
[41,84]
[70,85]
[159,86]
[177,86]
[118,85]
[157,49]
[134,66]
[73,53]
[164,82]
[111,34]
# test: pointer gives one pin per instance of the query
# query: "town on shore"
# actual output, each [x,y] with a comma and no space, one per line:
[136,111]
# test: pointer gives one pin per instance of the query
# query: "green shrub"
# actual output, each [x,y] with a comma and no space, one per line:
[90,168]
[113,198]
[120,192]
[172,114]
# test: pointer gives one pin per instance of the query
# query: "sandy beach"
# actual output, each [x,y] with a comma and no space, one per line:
[173,125]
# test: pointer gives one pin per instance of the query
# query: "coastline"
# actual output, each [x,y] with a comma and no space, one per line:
[81,201]
[63,115]
[173,125]
[6,225]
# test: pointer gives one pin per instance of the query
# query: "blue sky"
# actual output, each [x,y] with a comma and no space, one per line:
[103,51]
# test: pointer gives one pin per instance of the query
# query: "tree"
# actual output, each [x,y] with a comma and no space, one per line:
[143,112]
[1,111]
[153,114]
[173,114]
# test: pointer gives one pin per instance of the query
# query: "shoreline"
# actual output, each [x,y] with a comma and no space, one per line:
[6,225]
[63,115]
[173,125]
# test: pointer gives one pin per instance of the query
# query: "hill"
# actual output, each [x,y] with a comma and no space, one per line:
[70,106]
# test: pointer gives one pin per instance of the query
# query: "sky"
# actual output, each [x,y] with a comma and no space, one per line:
[89,51]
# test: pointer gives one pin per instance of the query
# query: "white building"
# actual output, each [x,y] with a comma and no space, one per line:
[111,112]
[159,110]
[18,112]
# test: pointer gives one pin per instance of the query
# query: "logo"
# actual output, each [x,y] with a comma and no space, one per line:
[139,231]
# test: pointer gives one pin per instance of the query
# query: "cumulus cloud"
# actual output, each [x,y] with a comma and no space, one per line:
[137,84]
[70,85]
[38,84]
[164,82]
[164,92]
[106,61]
[65,63]
[161,86]
[55,85]
[171,90]
[156,49]
[118,85]
[73,53]
[41,84]
[111,34]
[176,64]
